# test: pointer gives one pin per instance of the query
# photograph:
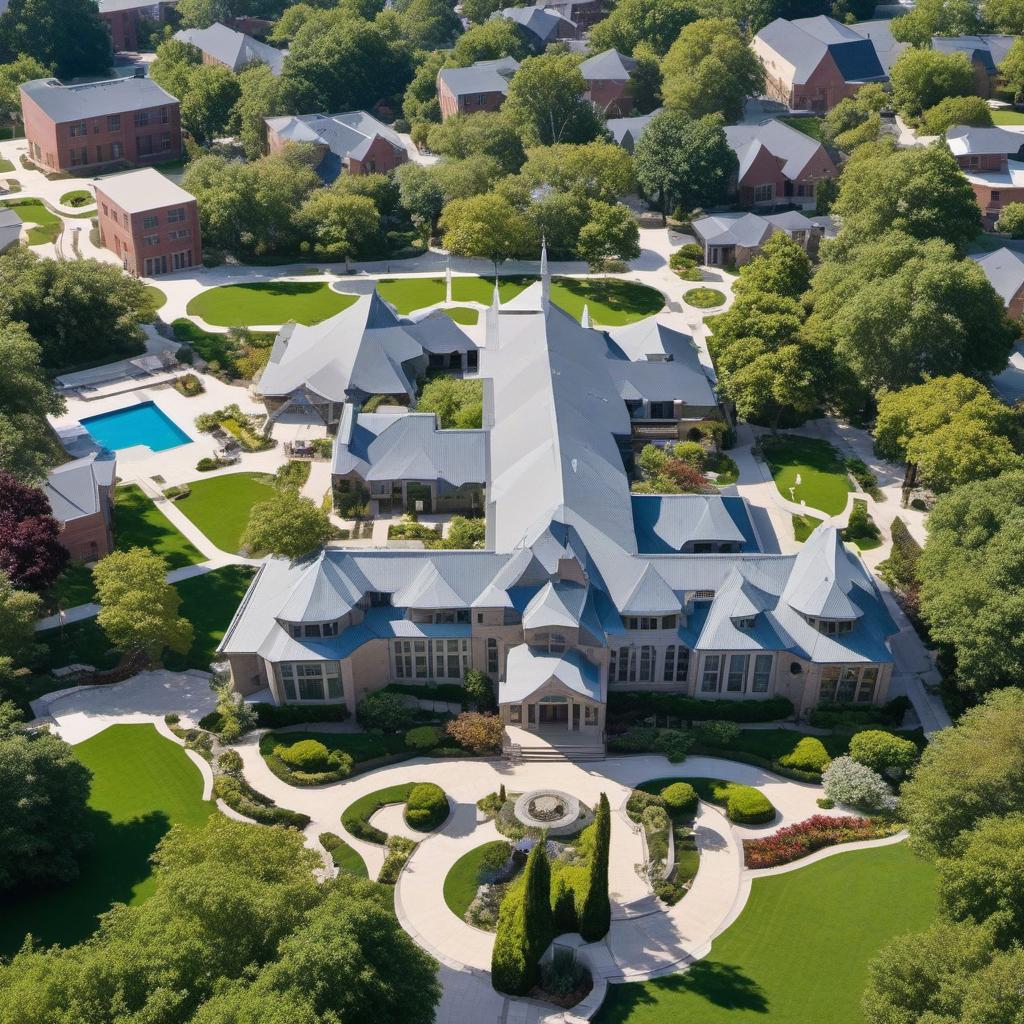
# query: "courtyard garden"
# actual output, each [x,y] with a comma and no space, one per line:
[703,298]
[800,949]
[269,302]
[480,866]
[807,469]
[142,786]
[220,505]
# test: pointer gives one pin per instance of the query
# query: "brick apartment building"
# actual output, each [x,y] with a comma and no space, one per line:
[148,222]
[481,86]
[82,128]
[991,160]
[123,18]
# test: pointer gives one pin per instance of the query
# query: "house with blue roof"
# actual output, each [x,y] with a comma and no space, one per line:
[581,589]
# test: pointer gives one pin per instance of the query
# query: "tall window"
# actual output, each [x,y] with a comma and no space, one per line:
[176,215]
[632,664]
[78,129]
[150,221]
[141,118]
[711,673]
[430,659]
[492,657]
[847,683]
[762,673]
[737,673]
[113,122]
[116,151]
[310,680]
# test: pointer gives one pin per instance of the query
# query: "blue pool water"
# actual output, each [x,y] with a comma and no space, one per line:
[138,424]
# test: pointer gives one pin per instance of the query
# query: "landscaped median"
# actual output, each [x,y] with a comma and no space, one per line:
[269,302]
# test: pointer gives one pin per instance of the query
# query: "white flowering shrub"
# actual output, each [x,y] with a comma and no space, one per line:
[855,785]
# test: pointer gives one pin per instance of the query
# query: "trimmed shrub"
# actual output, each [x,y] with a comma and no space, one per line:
[385,711]
[883,752]
[241,797]
[834,715]
[717,733]
[426,807]
[423,737]
[564,908]
[856,785]
[634,741]
[675,744]
[399,849]
[230,762]
[276,716]
[808,755]
[356,817]
[680,798]
[645,703]
[596,912]
[480,690]
[796,841]
[639,800]
[656,826]
[477,732]
[306,755]
[747,806]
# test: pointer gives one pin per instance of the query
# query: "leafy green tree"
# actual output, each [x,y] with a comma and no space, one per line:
[596,912]
[922,78]
[457,402]
[208,102]
[955,110]
[525,927]
[711,69]
[28,447]
[774,384]
[44,816]
[288,525]
[557,217]
[19,610]
[487,227]
[920,191]
[936,18]
[896,310]
[420,103]
[341,226]
[950,972]
[970,771]
[611,235]
[488,133]
[853,111]
[478,11]
[983,881]
[12,74]
[595,170]
[783,268]
[645,81]
[685,163]
[77,310]
[259,96]
[1011,220]
[632,22]
[138,608]
[421,196]
[174,64]
[1004,16]
[67,35]
[338,62]
[546,102]
[1012,66]
[287,26]
[429,24]
[491,41]
[203,13]
[883,752]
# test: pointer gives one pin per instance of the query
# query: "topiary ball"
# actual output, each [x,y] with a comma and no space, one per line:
[680,797]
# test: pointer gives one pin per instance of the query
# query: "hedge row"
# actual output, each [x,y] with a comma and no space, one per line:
[646,703]
[453,693]
[838,714]
[241,797]
[276,716]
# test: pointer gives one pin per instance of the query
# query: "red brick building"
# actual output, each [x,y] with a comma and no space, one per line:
[123,18]
[149,223]
[990,159]
[352,143]
[82,128]
[608,76]
[481,86]
[81,496]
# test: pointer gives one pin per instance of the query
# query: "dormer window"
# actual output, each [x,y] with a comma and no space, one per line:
[830,627]
[649,622]
[747,622]
[556,643]
[448,616]
[314,630]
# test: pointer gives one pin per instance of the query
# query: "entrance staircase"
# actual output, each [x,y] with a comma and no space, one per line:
[519,746]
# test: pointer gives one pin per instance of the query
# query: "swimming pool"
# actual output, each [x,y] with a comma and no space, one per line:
[143,424]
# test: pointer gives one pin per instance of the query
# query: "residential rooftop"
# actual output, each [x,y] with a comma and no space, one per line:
[790,145]
[62,103]
[141,190]
[610,65]
[234,49]
[482,77]
[804,42]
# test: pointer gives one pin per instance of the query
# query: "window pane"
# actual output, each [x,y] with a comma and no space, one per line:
[737,672]
[333,687]
[311,689]
[709,679]
[670,664]
[289,688]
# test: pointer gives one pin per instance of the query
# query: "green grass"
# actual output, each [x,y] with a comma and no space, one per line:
[78,198]
[269,302]
[142,785]
[74,587]
[463,314]
[703,298]
[220,506]
[6,165]
[1007,117]
[346,859]
[463,878]
[824,483]
[481,289]
[156,297]
[804,526]
[361,745]
[356,816]
[798,952]
[808,125]
[46,225]
[139,523]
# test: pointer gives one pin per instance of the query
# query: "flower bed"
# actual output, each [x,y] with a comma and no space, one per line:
[799,840]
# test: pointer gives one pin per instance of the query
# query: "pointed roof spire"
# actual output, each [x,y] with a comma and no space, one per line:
[585,321]
[448,279]
[496,297]
[545,276]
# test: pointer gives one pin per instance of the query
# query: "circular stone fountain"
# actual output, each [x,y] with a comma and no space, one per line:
[550,809]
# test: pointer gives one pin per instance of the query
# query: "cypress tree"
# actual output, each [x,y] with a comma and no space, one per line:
[539,921]
[525,927]
[566,919]
[596,915]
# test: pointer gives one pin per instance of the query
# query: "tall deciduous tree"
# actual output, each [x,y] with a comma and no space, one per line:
[44,817]
[209,99]
[490,41]
[67,35]
[711,69]
[487,227]
[921,78]
[488,133]
[19,610]
[632,22]
[31,556]
[546,101]
[259,97]
[288,525]
[610,235]
[596,170]
[1012,66]
[340,226]
[783,268]
[936,18]
[596,912]
[1004,16]
[12,74]
[684,162]
[138,608]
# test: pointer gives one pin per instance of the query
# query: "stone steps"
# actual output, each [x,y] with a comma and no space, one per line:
[542,752]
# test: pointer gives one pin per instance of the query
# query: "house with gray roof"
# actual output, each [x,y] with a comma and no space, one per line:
[984,52]
[609,78]
[736,238]
[402,461]
[542,25]
[626,131]
[813,63]
[778,164]
[123,19]
[81,496]
[990,159]
[230,49]
[481,86]
[10,229]
[1004,269]
[580,589]
[350,143]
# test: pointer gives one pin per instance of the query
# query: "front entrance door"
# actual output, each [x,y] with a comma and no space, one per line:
[416,492]
[554,714]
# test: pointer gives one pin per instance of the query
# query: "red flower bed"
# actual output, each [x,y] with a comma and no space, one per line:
[796,841]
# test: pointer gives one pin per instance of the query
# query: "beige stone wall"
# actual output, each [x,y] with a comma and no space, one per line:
[248,673]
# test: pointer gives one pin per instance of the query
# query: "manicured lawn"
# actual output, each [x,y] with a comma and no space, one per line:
[463,314]
[804,526]
[155,296]
[142,785]
[481,289]
[407,294]
[220,506]
[346,859]
[139,523]
[32,211]
[6,165]
[78,198]
[463,879]
[703,298]
[808,125]
[799,951]
[1007,117]
[269,302]
[209,602]
[823,484]
[357,815]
